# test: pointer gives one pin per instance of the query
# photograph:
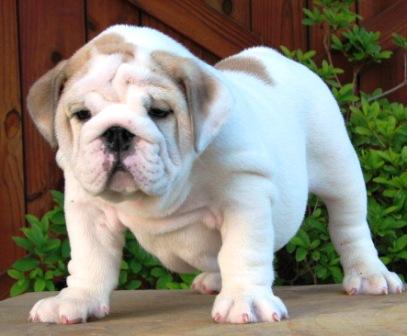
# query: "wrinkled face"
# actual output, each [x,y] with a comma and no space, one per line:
[126,121]
[128,127]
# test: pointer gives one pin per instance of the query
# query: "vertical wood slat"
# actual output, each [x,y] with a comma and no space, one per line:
[104,13]
[279,22]
[390,73]
[201,23]
[11,143]
[49,31]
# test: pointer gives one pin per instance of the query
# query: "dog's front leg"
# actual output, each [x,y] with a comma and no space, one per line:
[246,264]
[96,241]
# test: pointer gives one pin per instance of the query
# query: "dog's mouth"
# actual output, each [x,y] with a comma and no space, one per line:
[121,180]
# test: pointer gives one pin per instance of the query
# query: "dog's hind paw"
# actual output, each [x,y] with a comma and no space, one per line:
[376,283]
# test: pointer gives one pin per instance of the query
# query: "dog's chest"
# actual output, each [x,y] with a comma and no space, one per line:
[183,242]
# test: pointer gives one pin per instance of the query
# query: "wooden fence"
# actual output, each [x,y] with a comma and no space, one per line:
[37,34]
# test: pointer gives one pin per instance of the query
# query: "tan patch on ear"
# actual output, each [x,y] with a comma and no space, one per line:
[114,43]
[78,61]
[43,98]
[198,88]
[249,65]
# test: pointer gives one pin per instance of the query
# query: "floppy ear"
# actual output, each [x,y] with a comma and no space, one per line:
[43,98]
[207,98]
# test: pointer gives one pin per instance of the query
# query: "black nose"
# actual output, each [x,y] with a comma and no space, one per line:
[117,139]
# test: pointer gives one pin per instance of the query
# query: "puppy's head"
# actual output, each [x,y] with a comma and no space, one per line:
[128,118]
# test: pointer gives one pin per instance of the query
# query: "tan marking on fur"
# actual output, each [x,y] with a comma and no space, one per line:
[245,64]
[43,98]
[114,43]
[198,88]
[108,44]
[78,61]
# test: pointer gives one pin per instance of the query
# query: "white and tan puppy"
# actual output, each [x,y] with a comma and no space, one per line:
[209,167]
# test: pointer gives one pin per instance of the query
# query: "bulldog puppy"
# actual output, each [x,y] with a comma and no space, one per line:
[209,167]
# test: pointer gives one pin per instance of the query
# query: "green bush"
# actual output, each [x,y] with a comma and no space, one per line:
[378,129]
[48,252]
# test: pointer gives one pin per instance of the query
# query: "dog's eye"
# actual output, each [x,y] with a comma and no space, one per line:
[158,113]
[82,115]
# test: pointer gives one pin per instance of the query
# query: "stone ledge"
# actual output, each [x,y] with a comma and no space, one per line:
[314,310]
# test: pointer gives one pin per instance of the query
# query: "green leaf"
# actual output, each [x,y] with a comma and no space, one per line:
[52,244]
[300,254]
[36,273]
[49,275]
[24,243]
[124,265]
[336,273]
[39,285]
[49,285]
[163,281]
[58,218]
[122,277]
[58,198]
[25,264]
[188,277]
[158,272]
[12,273]
[21,286]
[32,220]
[401,243]
[135,266]
[133,284]
[65,249]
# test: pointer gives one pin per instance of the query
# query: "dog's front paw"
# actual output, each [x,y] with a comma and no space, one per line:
[256,306]
[360,280]
[207,283]
[68,307]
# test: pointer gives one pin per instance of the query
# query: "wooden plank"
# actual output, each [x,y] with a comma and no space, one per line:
[202,24]
[104,13]
[314,310]
[237,10]
[279,23]
[386,17]
[149,21]
[11,143]
[49,31]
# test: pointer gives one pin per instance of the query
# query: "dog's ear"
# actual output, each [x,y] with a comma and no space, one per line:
[42,100]
[207,98]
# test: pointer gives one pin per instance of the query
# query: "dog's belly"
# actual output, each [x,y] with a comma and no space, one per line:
[288,216]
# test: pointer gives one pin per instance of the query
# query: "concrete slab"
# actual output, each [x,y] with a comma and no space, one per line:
[314,310]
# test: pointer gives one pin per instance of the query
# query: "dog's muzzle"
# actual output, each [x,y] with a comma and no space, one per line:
[117,139]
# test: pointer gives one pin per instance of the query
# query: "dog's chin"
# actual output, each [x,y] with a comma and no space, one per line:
[122,182]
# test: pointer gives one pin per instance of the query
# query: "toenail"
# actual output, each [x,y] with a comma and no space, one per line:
[217,317]
[276,317]
[245,318]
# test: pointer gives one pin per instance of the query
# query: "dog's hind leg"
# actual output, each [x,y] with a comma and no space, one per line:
[336,177]
[207,283]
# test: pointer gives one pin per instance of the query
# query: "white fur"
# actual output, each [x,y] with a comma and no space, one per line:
[241,200]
